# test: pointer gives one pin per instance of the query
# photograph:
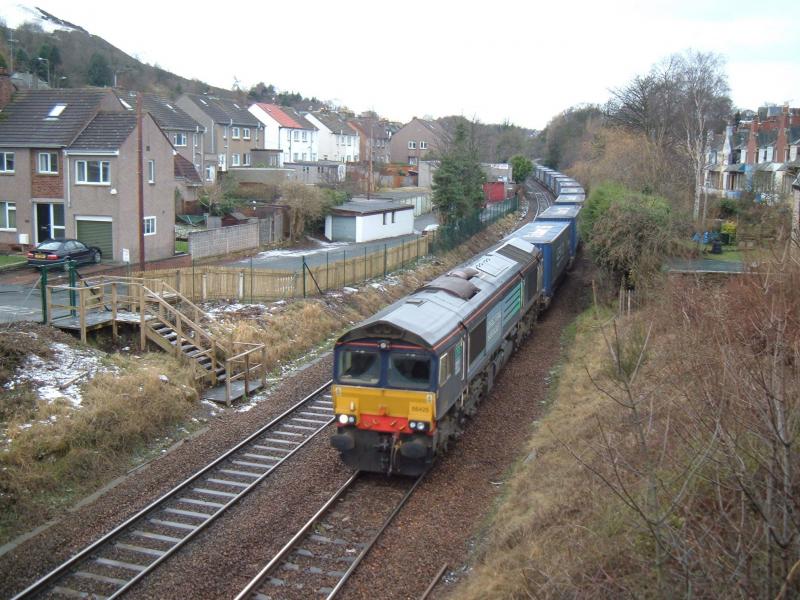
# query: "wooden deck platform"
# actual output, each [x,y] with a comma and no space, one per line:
[95,320]
[217,394]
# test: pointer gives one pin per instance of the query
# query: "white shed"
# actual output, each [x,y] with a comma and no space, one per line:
[366,220]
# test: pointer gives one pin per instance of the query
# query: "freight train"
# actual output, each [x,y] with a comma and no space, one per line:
[406,379]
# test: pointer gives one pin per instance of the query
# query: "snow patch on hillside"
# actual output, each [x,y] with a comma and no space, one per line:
[16,14]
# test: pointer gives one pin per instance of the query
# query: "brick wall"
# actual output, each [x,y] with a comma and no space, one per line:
[225,240]
[44,185]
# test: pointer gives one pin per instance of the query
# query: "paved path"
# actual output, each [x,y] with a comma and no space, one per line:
[704,265]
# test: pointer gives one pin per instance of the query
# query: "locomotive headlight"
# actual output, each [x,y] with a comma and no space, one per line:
[343,419]
[412,424]
[351,419]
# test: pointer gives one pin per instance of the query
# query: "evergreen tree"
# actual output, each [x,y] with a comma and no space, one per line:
[22,62]
[521,167]
[99,72]
[458,182]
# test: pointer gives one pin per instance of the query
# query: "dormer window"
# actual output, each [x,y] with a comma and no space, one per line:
[56,111]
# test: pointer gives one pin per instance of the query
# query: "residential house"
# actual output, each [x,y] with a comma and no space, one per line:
[68,163]
[321,171]
[231,132]
[374,136]
[102,187]
[417,140]
[185,133]
[287,130]
[37,127]
[338,141]
[755,156]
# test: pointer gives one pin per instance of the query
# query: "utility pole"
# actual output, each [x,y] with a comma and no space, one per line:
[140,177]
[11,41]
[369,157]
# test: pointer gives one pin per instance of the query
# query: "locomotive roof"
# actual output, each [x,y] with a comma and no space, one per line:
[429,315]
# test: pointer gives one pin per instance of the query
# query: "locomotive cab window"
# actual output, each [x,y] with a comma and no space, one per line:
[359,366]
[408,370]
[445,367]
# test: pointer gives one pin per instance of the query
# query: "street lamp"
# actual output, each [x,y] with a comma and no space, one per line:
[61,81]
[40,59]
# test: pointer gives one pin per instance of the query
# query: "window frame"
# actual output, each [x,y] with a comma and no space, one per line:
[246,133]
[177,137]
[236,160]
[50,155]
[151,170]
[6,208]
[145,229]
[412,145]
[236,133]
[423,145]
[195,140]
[4,162]
[85,180]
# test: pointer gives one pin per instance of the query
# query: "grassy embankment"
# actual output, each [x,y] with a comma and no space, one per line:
[57,453]
[667,464]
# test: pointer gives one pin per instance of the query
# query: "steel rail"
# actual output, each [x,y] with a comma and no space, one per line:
[64,569]
[259,579]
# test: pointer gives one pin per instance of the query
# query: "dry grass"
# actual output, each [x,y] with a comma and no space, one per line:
[64,452]
[556,524]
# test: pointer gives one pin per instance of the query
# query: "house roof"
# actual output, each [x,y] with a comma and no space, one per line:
[224,111]
[184,169]
[166,113]
[794,135]
[334,123]
[370,127]
[107,131]
[27,123]
[286,117]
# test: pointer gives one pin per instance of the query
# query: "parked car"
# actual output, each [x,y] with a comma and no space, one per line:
[59,251]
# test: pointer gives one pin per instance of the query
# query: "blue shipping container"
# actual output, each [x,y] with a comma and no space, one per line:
[568,213]
[552,238]
[571,199]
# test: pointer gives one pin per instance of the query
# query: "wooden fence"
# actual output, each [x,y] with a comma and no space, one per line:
[247,284]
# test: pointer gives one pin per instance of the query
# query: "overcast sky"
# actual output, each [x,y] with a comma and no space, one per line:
[521,61]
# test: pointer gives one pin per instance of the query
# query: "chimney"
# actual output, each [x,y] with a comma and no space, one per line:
[752,146]
[6,88]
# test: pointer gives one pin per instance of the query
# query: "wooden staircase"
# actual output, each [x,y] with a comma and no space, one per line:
[171,321]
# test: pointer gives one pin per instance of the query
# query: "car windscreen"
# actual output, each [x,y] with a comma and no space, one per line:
[359,366]
[50,246]
[408,370]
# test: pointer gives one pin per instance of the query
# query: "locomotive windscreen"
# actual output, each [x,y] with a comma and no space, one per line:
[359,366]
[409,370]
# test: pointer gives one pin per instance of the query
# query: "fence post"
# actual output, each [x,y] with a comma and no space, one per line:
[327,272]
[240,287]
[384,260]
[251,280]
[114,309]
[344,268]
[365,263]
[303,274]
[47,294]
[204,286]
[142,322]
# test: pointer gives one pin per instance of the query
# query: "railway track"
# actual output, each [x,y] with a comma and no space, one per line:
[121,558]
[320,558]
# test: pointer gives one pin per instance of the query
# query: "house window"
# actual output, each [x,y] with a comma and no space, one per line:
[48,163]
[295,156]
[305,136]
[288,135]
[394,213]
[235,133]
[151,171]
[225,132]
[313,156]
[194,140]
[296,135]
[210,173]
[349,140]
[235,160]
[384,218]
[6,162]
[97,172]
[423,145]
[221,161]
[304,156]
[412,145]
[149,225]
[179,139]
[246,159]
[246,133]
[8,216]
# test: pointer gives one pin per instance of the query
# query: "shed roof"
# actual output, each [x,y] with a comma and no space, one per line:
[368,207]
[184,169]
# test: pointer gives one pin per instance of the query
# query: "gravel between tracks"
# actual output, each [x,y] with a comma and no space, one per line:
[439,524]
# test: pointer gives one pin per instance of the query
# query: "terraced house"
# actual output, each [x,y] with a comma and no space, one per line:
[231,132]
[69,169]
[287,132]
[337,140]
[759,156]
